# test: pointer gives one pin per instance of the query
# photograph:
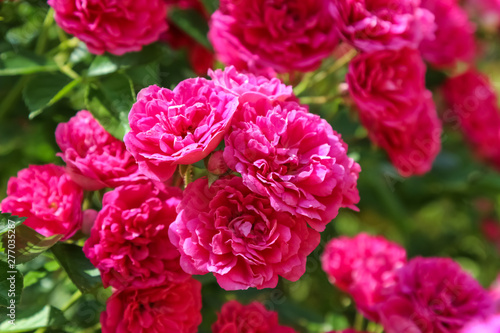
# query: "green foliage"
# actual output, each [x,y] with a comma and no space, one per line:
[11,284]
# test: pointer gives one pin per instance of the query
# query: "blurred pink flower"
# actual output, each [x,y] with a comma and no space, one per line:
[433,295]
[234,233]
[473,102]
[363,266]
[490,325]
[388,88]
[47,196]
[454,35]
[295,159]
[112,26]
[93,157]
[129,240]
[176,127]
[266,37]
[374,25]
[170,308]
[252,318]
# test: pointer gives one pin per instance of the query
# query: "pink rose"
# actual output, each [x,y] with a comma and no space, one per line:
[486,12]
[363,266]
[112,26]
[295,159]
[49,199]
[94,158]
[234,233]
[176,127]
[495,293]
[490,325]
[373,25]
[473,103]
[433,295]
[454,35]
[129,240]
[267,37]
[250,87]
[171,308]
[388,88]
[237,318]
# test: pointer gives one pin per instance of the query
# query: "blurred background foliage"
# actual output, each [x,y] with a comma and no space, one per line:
[47,76]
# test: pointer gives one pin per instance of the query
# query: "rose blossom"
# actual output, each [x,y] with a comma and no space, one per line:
[473,102]
[251,87]
[112,26]
[388,88]
[170,308]
[433,295]
[49,199]
[454,35]
[294,158]
[177,127]
[363,266]
[486,12]
[129,240]
[495,293]
[278,36]
[373,25]
[94,158]
[234,233]
[237,318]
[490,325]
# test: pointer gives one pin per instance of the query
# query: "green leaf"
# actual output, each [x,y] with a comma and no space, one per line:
[12,63]
[28,243]
[110,102]
[79,269]
[193,23]
[210,5]
[46,89]
[11,285]
[33,277]
[108,64]
[9,221]
[48,316]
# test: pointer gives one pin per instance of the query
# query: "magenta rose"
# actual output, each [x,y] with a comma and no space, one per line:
[388,88]
[473,104]
[176,127]
[129,240]
[251,87]
[170,308]
[94,158]
[237,318]
[112,26]
[363,266]
[454,39]
[295,159]
[433,295]
[490,325]
[234,233]
[47,196]
[279,36]
[374,25]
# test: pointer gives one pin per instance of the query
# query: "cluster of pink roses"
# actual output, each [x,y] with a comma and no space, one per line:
[418,295]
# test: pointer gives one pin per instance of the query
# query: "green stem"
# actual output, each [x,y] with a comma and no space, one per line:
[359,320]
[341,62]
[13,95]
[75,297]
[42,40]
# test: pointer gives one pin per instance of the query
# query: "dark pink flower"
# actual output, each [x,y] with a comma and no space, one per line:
[454,35]
[295,159]
[495,293]
[112,26]
[388,88]
[93,157]
[374,25]
[490,325]
[278,36]
[234,233]
[216,164]
[486,12]
[252,318]
[474,104]
[47,196]
[433,295]
[250,87]
[363,266]
[170,308]
[129,240]
[176,127]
